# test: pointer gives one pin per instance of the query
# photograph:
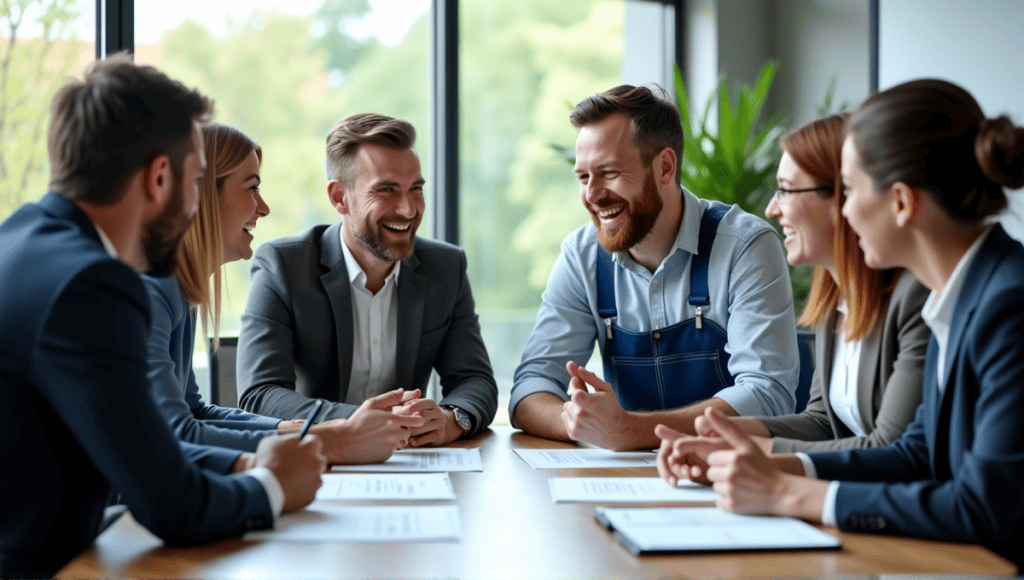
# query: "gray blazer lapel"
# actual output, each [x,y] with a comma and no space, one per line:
[411,299]
[824,356]
[339,294]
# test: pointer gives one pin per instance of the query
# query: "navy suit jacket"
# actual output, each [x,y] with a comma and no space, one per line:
[78,423]
[957,473]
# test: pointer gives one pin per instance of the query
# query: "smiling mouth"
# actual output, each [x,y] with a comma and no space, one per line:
[610,213]
[397,228]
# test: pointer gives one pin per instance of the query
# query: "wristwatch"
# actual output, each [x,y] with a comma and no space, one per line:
[463,418]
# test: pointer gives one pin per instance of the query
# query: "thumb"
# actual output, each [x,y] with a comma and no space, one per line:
[386,400]
[592,380]
[665,432]
[720,423]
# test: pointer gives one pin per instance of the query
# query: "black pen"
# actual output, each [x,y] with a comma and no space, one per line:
[311,418]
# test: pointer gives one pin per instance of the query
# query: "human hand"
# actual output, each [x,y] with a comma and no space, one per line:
[288,427]
[748,480]
[296,464]
[439,426]
[758,432]
[372,433]
[682,456]
[596,417]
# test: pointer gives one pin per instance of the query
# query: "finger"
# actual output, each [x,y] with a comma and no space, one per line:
[411,395]
[666,433]
[593,380]
[385,400]
[720,423]
[425,439]
[664,469]
[409,421]
[420,405]
[572,368]
[704,428]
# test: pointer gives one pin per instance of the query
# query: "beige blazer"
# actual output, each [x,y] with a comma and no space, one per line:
[888,382]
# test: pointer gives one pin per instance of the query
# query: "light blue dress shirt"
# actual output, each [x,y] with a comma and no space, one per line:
[171,342]
[751,297]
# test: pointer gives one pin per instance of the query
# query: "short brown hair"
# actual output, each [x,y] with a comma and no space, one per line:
[350,133]
[653,118]
[103,129]
[816,148]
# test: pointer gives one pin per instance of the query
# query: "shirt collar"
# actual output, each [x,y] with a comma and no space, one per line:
[687,237]
[938,309]
[107,244]
[355,271]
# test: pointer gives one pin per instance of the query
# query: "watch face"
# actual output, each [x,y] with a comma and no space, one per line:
[462,418]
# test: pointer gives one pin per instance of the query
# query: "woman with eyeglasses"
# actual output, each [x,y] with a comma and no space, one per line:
[870,339]
[926,172]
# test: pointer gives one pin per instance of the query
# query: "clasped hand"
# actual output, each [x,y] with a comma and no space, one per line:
[726,458]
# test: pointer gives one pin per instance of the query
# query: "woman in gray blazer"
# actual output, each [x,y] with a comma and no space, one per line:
[870,339]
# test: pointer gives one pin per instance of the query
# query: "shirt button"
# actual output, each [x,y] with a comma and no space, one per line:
[375,342]
[654,284]
[625,263]
[375,300]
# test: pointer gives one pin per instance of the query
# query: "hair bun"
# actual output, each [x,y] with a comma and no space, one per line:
[999,148]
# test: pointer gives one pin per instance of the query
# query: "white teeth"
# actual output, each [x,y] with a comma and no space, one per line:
[610,213]
[248,228]
[788,232]
[398,228]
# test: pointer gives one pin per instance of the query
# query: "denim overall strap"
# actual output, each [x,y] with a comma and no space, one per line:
[670,367]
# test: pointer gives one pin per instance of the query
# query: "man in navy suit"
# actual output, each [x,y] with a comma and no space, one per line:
[77,420]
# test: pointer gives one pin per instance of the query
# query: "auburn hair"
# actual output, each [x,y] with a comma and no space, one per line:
[816,148]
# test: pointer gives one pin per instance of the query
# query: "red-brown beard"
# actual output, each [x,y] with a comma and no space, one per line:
[641,218]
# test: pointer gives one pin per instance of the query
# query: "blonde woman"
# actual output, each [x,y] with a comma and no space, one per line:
[230,206]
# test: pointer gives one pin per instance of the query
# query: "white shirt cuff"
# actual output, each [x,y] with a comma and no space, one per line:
[828,510]
[809,470]
[275,495]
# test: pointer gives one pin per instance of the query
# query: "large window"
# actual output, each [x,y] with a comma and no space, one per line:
[523,65]
[285,73]
[41,43]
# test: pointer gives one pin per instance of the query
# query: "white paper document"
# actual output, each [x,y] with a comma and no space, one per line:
[643,530]
[386,486]
[423,460]
[626,489]
[323,522]
[584,458]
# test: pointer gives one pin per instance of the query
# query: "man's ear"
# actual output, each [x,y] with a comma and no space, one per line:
[906,202]
[665,164]
[337,193]
[158,180]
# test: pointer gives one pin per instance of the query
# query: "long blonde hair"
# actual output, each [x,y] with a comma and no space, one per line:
[203,248]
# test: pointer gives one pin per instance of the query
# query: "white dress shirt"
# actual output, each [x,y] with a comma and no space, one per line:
[374,332]
[842,389]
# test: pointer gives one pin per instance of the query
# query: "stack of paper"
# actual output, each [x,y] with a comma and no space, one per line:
[386,486]
[585,458]
[627,489]
[323,522]
[423,460]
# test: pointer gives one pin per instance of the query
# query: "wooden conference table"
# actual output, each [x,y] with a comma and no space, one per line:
[512,529]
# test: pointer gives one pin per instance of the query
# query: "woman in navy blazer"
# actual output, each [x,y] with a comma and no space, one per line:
[925,171]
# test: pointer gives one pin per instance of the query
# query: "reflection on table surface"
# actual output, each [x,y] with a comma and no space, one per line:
[512,529]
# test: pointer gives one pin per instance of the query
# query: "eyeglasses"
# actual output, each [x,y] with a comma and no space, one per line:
[781,190]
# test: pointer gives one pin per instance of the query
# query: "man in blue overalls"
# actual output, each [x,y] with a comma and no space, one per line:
[689,300]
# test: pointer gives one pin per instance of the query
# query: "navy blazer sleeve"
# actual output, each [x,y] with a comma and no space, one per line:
[174,383]
[91,368]
[960,464]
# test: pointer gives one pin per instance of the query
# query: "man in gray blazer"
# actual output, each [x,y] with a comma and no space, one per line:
[353,310]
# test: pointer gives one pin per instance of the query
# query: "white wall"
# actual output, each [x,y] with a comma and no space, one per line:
[814,40]
[976,44]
